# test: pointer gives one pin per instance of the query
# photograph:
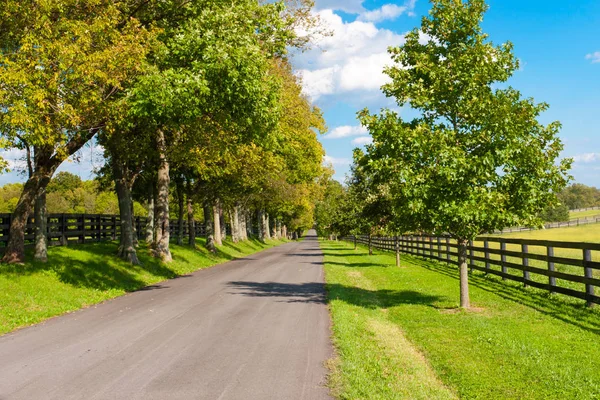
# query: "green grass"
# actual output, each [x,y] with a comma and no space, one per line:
[82,275]
[399,335]
[583,214]
[584,233]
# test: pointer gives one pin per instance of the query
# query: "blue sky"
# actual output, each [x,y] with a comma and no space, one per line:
[557,42]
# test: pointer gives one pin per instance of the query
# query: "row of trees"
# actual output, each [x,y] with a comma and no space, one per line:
[474,160]
[191,100]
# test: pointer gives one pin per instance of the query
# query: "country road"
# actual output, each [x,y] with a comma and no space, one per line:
[253,328]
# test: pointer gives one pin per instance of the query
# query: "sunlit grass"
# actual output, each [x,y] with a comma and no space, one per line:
[81,275]
[518,344]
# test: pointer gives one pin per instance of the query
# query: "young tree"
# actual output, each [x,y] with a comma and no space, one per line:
[477,159]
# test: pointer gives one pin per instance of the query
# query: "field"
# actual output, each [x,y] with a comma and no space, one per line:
[584,233]
[583,214]
[81,275]
[399,335]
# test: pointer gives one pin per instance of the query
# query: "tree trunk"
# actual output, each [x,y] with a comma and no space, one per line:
[126,241]
[243,223]
[267,226]
[136,243]
[162,202]
[150,221]
[15,248]
[222,215]
[354,242]
[191,223]
[217,224]
[181,201]
[464,273]
[370,245]
[208,228]
[41,230]
[234,220]
[260,216]
[284,232]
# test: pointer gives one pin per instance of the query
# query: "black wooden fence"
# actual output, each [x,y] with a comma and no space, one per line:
[569,268]
[64,229]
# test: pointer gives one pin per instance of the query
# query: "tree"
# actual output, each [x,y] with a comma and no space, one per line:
[476,159]
[578,196]
[62,67]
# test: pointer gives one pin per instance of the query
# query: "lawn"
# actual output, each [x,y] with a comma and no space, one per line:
[583,233]
[583,214]
[399,335]
[81,275]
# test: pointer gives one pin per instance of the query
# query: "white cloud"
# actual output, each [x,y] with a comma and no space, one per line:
[350,61]
[388,12]
[346,131]
[337,161]
[586,158]
[15,158]
[349,6]
[595,57]
[359,141]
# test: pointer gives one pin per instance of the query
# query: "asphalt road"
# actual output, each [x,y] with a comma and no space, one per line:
[253,328]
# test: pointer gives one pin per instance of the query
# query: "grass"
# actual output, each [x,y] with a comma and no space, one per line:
[584,233]
[81,275]
[583,214]
[399,335]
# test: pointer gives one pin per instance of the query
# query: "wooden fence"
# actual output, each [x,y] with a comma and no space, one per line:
[569,268]
[64,229]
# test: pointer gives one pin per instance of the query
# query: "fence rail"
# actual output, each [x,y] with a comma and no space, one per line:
[569,268]
[576,222]
[65,229]
[585,209]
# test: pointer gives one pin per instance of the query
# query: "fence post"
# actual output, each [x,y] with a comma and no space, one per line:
[588,273]
[397,248]
[525,250]
[113,221]
[503,259]
[486,246]
[552,279]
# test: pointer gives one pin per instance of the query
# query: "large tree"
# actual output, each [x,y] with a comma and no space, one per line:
[476,159]
[62,67]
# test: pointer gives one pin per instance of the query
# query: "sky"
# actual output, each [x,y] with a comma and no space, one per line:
[557,42]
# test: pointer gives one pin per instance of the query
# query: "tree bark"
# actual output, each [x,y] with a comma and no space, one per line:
[162,202]
[397,249]
[191,223]
[181,201]
[150,221]
[284,232]
[217,224]
[223,223]
[260,216]
[267,226]
[123,187]
[44,169]
[41,230]
[208,228]
[235,224]
[464,273]
[370,245]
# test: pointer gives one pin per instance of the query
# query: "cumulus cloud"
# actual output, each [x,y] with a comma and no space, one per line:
[388,12]
[595,57]
[346,131]
[349,61]
[586,158]
[336,161]
[360,141]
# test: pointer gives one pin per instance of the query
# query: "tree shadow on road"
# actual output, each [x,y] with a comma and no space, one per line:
[314,292]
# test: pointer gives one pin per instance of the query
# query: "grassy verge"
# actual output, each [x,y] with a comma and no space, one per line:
[399,335]
[78,276]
